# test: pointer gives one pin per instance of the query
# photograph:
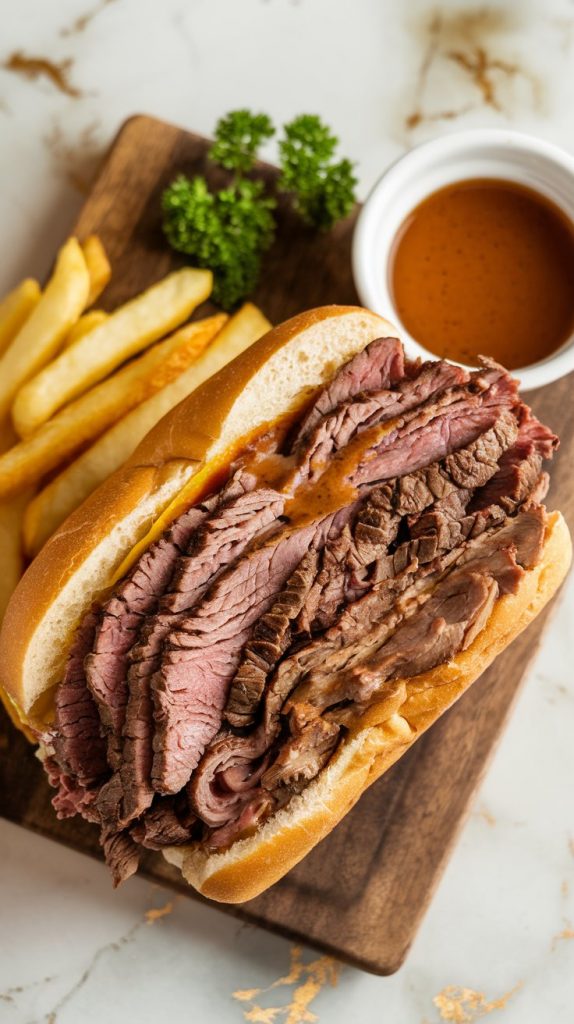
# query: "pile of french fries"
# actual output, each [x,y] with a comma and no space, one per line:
[80,387]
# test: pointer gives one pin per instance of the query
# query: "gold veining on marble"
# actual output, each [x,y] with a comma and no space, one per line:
[486,815]
[81,23]
[566,933]
[309,979]
[467,41]
[33,68]
[155,913]
[480,68]
[463,1005]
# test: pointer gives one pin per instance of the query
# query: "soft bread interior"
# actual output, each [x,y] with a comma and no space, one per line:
[273,377]
[378,739]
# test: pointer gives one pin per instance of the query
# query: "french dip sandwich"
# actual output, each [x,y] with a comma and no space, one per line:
[299,569]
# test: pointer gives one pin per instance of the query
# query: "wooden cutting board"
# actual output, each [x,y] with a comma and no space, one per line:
[361,894]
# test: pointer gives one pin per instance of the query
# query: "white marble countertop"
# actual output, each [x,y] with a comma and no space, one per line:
[499,936]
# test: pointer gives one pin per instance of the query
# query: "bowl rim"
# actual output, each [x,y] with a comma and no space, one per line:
[532,375]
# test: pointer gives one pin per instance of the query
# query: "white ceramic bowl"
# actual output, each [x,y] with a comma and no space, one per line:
[509,156]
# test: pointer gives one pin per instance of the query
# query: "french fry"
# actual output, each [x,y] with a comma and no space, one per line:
[73,485]
[84,325]
[15,309]
[11,512]
[42,334]
[12,562]
[127,331]
[8,436]
[11,554]
[98,266]
[81,421]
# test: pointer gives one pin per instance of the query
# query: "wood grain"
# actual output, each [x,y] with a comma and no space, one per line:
[361,894]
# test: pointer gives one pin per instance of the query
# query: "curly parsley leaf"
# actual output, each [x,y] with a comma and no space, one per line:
[226,231]
[323,191]
[238,137]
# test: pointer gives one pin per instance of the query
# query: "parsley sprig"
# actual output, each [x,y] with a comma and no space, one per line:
[229,230]
[226,231]
[323,191]
[238,138]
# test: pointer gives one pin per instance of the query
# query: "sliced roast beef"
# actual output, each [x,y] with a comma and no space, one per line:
[161,826]
[78,745]
[457,610]
[121,853]
[443,519]
[123,616]
[201,658]
[502,554]
[359,546]
[222,539]
[475,465]
[248,751]
[225,535]
[270,639]
[469,430]
[72,797]
[109,803]
[261,805]
[373,548]
[492,377]
[120,621]
[448,622]
[544,441]
[448,484]
[376,368]
[373,528]
[524,533]
[330,586]
[540,489]
[335,430]
[519,468]
[366,624]
[453,422]
[229,773]
[312,741]
[518,474]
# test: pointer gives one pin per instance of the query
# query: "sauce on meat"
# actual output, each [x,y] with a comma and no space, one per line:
[485,267]
[329,488]
[310,500]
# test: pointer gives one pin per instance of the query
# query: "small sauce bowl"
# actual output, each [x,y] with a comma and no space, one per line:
[496,154]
